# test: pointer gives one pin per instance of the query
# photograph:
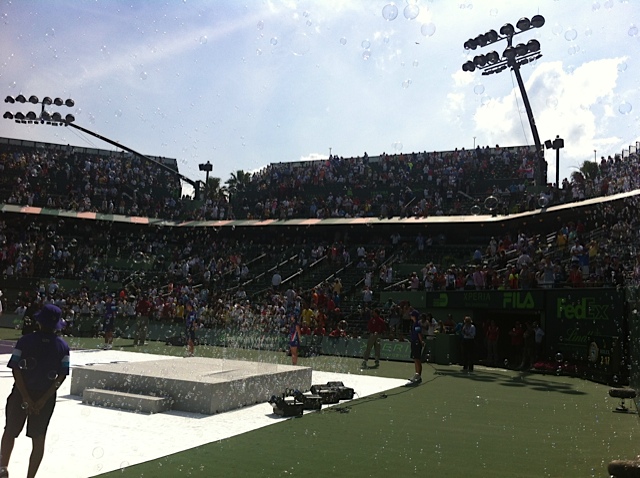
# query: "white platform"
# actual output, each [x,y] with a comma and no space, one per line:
[86,441]
[195,384]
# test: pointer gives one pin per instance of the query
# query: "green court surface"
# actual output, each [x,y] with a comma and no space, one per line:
[492,423]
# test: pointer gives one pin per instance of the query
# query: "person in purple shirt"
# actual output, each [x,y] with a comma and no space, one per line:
[191,322]
[40,363]
[417,342]
[109,321]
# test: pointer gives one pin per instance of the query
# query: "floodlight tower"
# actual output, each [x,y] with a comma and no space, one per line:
[56,119]
[512,57]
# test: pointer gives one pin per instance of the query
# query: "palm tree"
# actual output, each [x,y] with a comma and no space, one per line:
[238,182]
[213,189]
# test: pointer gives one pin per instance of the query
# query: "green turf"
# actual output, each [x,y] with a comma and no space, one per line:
[490,424]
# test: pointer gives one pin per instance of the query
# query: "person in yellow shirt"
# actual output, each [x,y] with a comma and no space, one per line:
[307,316]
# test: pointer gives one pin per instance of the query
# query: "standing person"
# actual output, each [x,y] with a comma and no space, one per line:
[376,326]
[529,350]
[539,336]
[517,343]
[143,311]
[40,363]
[109,322]
[493,334]
[294,339]
[468,344]
[417,343]
[191,321]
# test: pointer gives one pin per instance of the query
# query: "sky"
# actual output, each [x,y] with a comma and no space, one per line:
[243,84]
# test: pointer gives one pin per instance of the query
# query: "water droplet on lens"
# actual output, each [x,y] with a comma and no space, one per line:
[622,67]
[493,12]
[406,84]
[260,25]
[478,89]
[203,39]
[625,108]
[557,29]
[366,55]
[570,34]
[365,44]
[143,75]
[98,452]
[343,41]
[427,29]
[411,12]
[390,12]
[633,31]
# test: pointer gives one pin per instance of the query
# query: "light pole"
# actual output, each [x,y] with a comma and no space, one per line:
[55,119]
[512,57]
[556,144]
[207,168]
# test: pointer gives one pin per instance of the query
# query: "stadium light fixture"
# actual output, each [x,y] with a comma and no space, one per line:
[512,57]
[207,168]
[44,117]
[556,144]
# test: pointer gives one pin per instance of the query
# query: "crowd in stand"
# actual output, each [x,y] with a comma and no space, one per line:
[414,184]
[198,268]
[61,178]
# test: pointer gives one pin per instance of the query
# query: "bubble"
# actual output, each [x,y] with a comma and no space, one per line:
[203,40]
[258,52]
[485,100]
[28,363]
[493,12]
[124,465]
[416,63]
[557,29]
[559,357]
[118,113]
[625,108]
[588,32]
[365,44]
[570,34]
[478,89]
[633,31]
[406,84]
[428,29]
[143,75]
[138,257]
[24,405]
[397,146]
[52,375]
[595,7]
[411,12]
[343,41]
[386,40]
[260,25]
[366,55]
[389,12]
[274,41]
[608,4]
[300,44]
[475,210]
[97,452]
[506,362]
[622,67]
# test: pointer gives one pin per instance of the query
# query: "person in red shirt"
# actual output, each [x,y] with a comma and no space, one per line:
[376,326]
[493,334]
[517,343]
[143,312]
